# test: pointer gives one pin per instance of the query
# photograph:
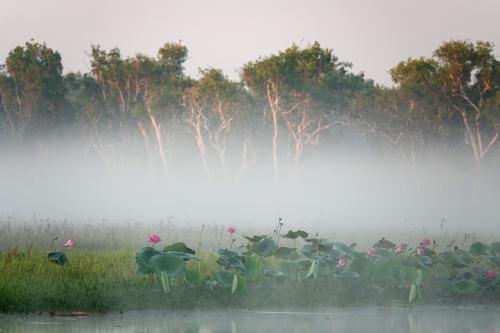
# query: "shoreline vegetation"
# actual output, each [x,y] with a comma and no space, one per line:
[288,269]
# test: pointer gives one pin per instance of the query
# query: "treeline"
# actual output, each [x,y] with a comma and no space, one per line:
[283,106]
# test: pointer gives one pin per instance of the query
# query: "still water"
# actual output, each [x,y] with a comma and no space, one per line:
[428,320]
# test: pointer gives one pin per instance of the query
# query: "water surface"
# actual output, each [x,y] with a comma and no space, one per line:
[428,320]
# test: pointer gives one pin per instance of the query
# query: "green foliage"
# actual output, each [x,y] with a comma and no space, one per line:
[252,265]
[167,263]
[225,278]
[265,247]
[193,278]
[479,248]
[58,258]
[179,247]
[296,234]
[105,280]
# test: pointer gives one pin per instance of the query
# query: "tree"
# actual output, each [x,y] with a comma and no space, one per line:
[307,89]
[470,78]
[32,90]
[213,102]
[141,91]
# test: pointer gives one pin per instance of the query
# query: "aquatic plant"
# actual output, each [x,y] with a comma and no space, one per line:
[168,264]
[70,243]
[154,239]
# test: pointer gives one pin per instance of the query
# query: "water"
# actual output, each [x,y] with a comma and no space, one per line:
[428,320]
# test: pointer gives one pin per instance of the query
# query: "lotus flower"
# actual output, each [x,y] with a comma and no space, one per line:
[371,251]
[420,250]
[426,242]
[400,248]
[154,238]
[231,230]
[342,262]
[70,243]
[491,275]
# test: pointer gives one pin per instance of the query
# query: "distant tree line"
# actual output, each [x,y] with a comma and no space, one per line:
[284,105]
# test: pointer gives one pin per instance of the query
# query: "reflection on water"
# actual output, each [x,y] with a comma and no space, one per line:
[428,320]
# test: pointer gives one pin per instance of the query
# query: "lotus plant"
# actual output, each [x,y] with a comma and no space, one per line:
[371,252]
[154,239]
[342,262]
[70,244]
[400,248]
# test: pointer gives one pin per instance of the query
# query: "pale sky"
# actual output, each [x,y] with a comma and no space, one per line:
[373,35]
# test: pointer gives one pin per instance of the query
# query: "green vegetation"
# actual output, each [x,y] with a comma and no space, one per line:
[295,100]
[263,273]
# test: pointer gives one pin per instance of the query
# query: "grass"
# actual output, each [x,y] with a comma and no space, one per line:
[101,275]
[106,281]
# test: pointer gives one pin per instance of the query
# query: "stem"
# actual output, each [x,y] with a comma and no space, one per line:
[165,282]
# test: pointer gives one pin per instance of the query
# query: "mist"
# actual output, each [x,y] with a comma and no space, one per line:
[345,187]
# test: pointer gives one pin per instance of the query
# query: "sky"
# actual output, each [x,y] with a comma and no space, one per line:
[226,34]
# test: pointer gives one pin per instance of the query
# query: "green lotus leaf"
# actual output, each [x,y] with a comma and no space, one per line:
[478,248]
[315,241]
[425,260]
[327,261]
[336,254]
[286,253]
[227,253]
[325,245]
[255,239]
[224,278]
[265,247]
[494,259]
[193,278]
[296,234]
[231,262]
[495,247]
[308,250]
[179,247]
[143,258]
[384,244]
[278,276]
[347,249]
[184,255]
[58,258]
[167,263]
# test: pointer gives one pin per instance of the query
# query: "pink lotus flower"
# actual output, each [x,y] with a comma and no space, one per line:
[491,275]
[420,250]
[70,243]
[231,230]
[154,238]
[371,251]
[426,242]
[400,248]
[342,262]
